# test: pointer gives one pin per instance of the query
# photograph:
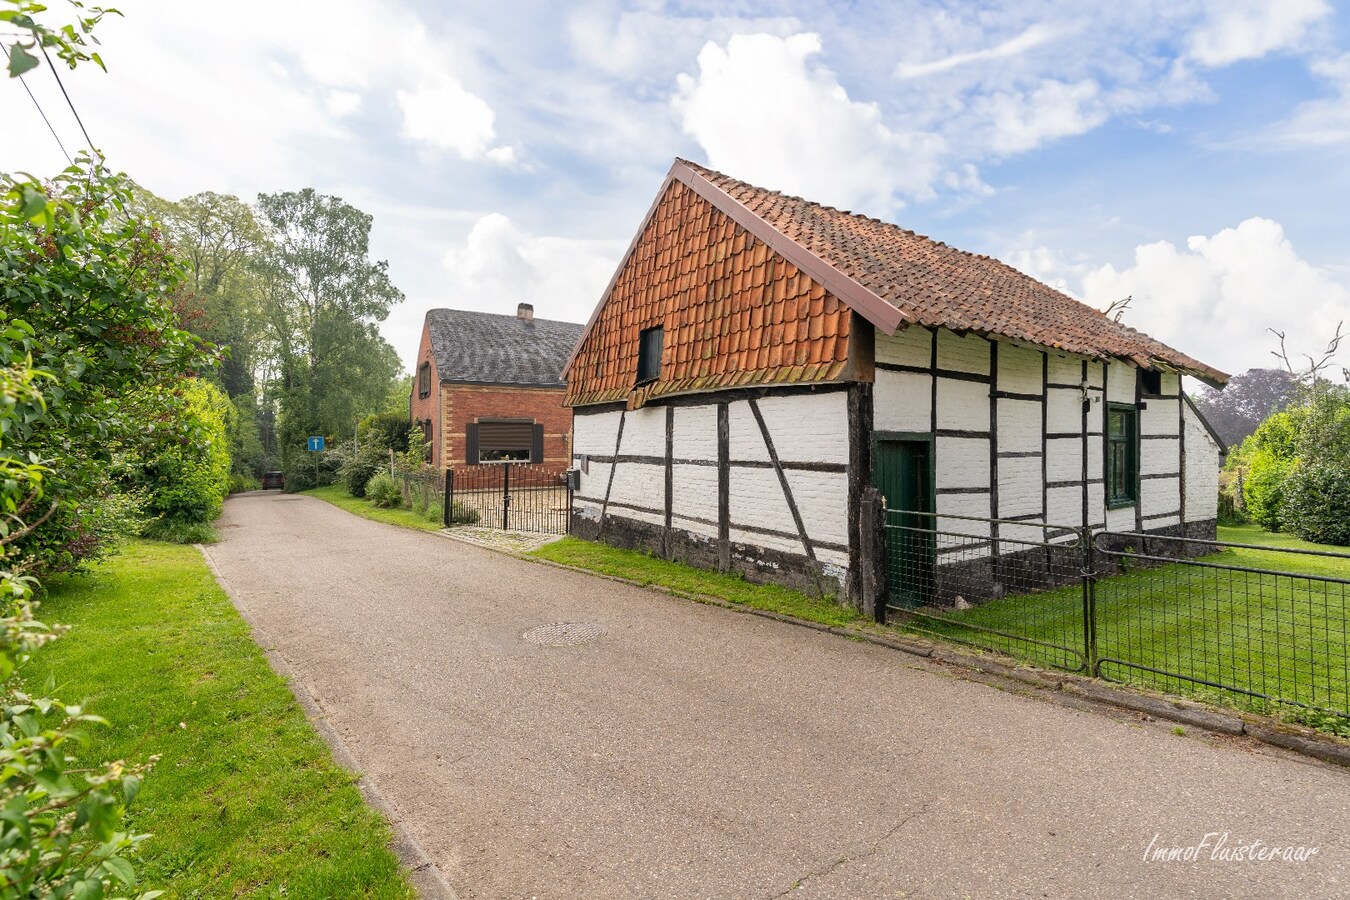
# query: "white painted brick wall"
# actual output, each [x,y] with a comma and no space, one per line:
[644,432]
[902,401]
[594,434]
[1019,369]
[694,492]
[1065,369]
[695,432]
[822,499]
[1202,471]
[1120,383]
[1064,506]
[1019,426]
[909,347]
[640,484]
[1158,417]
[1159,495]
[962,462]
[1065,459]
[1066,411]
[963,354]
[1160,456]
[963,505]
[1019,486]
[962,405]
[804,428]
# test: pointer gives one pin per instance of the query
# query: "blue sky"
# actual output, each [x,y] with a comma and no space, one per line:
[1190,154]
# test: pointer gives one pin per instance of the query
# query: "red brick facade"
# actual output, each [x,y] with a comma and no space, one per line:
[451,407]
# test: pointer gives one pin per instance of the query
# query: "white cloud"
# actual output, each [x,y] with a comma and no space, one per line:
[498,266]
[765,111]
[1020,121]
[447,117]
[1216,297]
[1322,122]
[1234,30]
[1032,37]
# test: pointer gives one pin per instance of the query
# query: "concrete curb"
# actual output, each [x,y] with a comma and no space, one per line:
[1072,690]
[425,875]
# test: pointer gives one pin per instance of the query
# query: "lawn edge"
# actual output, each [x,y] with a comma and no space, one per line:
[426,877]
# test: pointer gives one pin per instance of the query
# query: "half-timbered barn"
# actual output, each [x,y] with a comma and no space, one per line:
[758,359]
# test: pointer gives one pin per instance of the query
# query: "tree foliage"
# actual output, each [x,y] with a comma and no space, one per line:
[323,299]
[1245,402]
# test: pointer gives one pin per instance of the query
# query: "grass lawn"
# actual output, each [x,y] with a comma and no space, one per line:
[245,800]
[650,570]
[1285,636]
[337,495]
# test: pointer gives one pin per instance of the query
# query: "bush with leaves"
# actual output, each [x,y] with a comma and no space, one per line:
[1317,503]
[1261,465]
[185,473]
[383,492]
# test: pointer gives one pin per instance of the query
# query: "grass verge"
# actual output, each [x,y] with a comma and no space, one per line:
[649,570]
[246,800]
[1281,636]
[337,495]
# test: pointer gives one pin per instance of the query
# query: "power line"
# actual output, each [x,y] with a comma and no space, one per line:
[45,120]
[88,140]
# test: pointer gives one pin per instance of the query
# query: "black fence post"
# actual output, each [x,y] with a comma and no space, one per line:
[506,496]
[567,516]
[1089,600]
[872,554]
[447,498]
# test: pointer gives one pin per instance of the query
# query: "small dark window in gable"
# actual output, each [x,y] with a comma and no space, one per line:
[1150,382]
[424,380]
[650,342]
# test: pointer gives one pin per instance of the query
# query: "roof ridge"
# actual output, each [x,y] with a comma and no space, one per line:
[478,312]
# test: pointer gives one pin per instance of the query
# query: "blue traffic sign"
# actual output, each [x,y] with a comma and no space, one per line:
[316,443]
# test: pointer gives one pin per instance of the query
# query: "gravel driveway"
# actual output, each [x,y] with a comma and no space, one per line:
[689,751]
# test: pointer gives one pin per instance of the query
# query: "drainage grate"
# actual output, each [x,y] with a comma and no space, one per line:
[563,634]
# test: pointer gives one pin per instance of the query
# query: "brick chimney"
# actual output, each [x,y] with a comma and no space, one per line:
[525,311]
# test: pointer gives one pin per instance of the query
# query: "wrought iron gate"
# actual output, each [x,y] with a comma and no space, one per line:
[510,496]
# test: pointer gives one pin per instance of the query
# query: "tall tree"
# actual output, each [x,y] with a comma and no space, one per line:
[1237,410]
[323,298]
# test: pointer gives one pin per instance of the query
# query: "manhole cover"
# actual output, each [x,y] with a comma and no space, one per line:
[563,634]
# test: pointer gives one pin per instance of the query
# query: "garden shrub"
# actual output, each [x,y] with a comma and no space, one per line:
[1317,503]
[1263,462]
[186,473]
[383,492]
[240,483]
[358,469]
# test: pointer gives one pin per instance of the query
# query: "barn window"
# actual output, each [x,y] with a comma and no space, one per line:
[1150,382]
[505,440]
[650,342]
[1122,463]
[424,380]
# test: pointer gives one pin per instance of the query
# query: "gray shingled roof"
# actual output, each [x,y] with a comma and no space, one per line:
[485,347]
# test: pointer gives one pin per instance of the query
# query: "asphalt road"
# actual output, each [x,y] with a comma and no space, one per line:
[690,751]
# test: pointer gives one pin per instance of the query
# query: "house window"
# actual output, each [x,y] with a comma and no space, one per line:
[1122,462]
[650,342]
[426,426]
[1150,382]
[424,380]
[505,440]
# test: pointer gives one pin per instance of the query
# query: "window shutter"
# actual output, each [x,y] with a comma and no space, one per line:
[471,444]
[537,444]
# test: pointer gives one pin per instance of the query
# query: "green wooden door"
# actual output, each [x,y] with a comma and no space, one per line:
[902,469]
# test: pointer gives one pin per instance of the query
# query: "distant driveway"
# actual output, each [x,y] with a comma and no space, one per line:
[689,751]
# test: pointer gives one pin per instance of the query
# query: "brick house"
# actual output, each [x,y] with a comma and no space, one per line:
[759,359]
[488,388]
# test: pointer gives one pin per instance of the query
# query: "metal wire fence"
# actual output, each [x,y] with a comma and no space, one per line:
[423,491]
[1251,626]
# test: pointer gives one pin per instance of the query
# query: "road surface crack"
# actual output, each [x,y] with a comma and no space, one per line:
[870,850]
